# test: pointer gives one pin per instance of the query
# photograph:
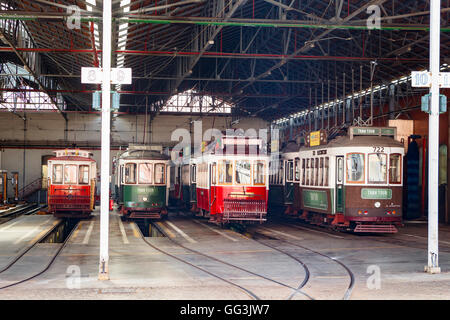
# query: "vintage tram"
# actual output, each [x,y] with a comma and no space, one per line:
[142,182]
[71,183]
[352,182]
[231,180]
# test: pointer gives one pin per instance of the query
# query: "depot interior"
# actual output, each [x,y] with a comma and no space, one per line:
[234,72]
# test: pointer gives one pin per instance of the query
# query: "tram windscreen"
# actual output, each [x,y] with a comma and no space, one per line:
[377,168]
[70,174]
[57,174]
[395,168]
[258,173]
[130,173]
[145,173]
[225,172]
[243,171]
[159,173]
[83,174]
[355,167]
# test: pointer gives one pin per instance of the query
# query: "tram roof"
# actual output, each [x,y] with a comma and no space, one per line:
[139,154]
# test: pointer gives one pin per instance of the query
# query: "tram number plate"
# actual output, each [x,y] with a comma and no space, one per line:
[378,149]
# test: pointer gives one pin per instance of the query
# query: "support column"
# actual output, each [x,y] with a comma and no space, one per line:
[433,134]
[105,148]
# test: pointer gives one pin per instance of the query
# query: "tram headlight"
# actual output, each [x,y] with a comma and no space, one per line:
[377,204]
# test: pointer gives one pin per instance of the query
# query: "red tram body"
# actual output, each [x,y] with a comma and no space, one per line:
[232,184]
[71,184]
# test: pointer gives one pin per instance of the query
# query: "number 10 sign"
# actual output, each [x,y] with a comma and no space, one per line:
[423,79]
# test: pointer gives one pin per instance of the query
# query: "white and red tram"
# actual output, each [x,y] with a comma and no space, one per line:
[231,180]
[71,183]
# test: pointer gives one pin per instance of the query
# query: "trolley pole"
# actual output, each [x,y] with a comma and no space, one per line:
[433,136]
[105,148]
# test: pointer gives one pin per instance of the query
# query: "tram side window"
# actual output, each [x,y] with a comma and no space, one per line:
[214,173]
[355,167]
[377,167]
[258,173]
[317,172]
[340,170]
[243,172]
[83,174]
[194,174]
[307,172]
[325,173]
[145,173]
[160,177]
[313,171]
[280,173]
[57,177]
[297,169]
[321,172]
[70,174]
[395,168]
[225,171]
[290,171]
[130,173]
[303,171]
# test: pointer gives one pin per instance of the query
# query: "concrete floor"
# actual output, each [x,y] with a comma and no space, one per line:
[138,271]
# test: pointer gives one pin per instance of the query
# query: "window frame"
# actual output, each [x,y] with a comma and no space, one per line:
[368,168]
[400,165]
[223,163]
[163,172]
[297,169]
[363,171]
[235,172]
[64,173]
[125,181]
[88,172]
[139,173]
[255,171]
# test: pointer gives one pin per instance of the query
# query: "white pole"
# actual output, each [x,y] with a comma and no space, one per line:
[106,118]
[433,138]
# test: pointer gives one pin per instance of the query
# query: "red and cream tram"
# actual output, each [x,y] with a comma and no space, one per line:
[231,180]
[71,184]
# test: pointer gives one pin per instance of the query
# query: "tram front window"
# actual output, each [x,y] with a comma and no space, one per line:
[130,173]
[145,173]
[83,176]
[355,167]
[395,168]
[377,168]
[258,173]
[243,172]
[57,177]
[159,173]
[225,172]
[70,174]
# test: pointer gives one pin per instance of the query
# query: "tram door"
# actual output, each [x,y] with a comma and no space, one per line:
[289,182]
[212,184]
[339,184]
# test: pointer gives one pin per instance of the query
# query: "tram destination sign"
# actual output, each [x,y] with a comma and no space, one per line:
[367,193]
[372,131]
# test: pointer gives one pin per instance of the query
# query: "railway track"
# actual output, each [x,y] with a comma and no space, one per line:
[351,285]
[47,266]
[25,210]
[247,291]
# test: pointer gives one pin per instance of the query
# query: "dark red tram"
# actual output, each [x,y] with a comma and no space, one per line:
[71,184]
